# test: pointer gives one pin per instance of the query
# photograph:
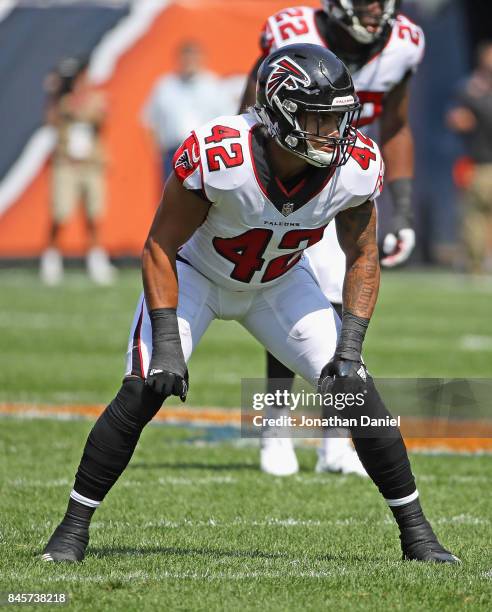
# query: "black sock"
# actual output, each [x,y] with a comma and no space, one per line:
[411,521]
[276,371]
[73,532]
[113,438]
[381,448]
[77,514]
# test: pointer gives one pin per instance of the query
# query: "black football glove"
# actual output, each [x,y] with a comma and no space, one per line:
[345,372]
[166,383]
[168,374]
[341,375]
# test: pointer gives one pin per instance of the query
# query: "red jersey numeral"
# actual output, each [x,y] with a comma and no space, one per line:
[365,139]
[246,252]
[235,158]
[291,240]
[291,23]
[363,156]
[410,33]
[231,158]
[221,132]
[290,29]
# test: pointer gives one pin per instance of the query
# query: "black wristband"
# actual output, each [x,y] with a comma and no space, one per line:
[351,336]
[401,195]
[167,353]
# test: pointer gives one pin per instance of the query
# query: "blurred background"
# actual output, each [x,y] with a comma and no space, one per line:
[130,47]
[126,67]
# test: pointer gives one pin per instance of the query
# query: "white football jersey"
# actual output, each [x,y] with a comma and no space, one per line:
[401,54]
[257,228]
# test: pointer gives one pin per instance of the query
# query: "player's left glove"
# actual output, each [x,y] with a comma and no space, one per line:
[346,369]
[342,376]
[168,374]
[399,244]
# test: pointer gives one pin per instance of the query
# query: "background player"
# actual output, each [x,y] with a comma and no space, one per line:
[76,111]
[382,49]
[240,261]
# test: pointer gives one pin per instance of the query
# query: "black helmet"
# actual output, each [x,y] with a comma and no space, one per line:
[300,79]
[348,12]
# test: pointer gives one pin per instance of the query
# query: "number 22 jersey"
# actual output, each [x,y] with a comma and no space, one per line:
[256,228]
[401,54]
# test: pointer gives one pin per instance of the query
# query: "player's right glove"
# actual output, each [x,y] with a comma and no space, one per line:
[168,374]
[400,242]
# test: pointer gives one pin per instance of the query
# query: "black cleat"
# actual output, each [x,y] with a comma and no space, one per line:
[68,543]
[420,543]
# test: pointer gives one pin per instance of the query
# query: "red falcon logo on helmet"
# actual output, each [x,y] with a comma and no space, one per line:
[286,73]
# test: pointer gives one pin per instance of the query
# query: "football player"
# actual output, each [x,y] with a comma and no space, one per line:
[249,193]
[382,49]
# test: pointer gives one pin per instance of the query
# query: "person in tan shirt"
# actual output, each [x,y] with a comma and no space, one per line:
[77,112]
[471,117]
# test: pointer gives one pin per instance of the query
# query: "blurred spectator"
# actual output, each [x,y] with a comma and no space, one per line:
[183,100]
[472,118]
[76,111]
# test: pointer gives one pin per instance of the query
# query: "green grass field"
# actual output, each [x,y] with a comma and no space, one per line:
[193,524]
[67,345]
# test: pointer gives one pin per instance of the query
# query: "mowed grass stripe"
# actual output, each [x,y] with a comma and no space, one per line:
[67,345]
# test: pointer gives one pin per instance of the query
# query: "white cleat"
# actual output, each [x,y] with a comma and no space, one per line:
[278,457]
[99,267]
[338,456]
[51,267]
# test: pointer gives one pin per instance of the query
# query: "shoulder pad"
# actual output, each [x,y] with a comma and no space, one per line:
[362,176]
[187,163]
[284,25]
[224,150]
[410,39]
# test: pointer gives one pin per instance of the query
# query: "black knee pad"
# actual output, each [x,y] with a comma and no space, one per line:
[134,405]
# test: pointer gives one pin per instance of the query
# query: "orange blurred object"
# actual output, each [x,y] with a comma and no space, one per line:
[463,171]
[229,34]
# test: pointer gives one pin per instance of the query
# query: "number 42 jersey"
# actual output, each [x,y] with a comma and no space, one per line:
[257,227]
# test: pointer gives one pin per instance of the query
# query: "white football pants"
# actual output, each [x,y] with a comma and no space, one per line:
[327,261]
[292,319]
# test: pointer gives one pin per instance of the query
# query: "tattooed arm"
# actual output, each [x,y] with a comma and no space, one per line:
[356,230]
